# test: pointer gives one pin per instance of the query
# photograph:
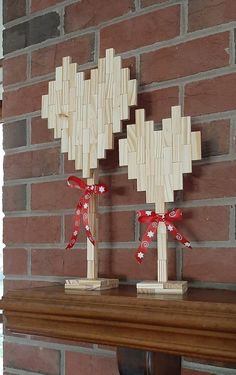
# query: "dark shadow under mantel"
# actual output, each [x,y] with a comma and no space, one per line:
[200,324]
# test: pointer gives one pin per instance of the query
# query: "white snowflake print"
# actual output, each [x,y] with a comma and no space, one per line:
[75,233]
[148,213]
[86,205]
[87,227]
[150,234]
[101,189]
[140,255]
[187,244]
[92,187]
[170,228]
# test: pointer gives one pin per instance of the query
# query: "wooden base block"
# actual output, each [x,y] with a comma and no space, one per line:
[169,287]
[91,284]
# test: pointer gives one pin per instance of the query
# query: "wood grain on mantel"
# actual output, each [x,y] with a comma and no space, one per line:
[200,324]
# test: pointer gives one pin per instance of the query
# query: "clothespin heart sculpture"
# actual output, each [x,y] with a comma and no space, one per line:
[158,160]
[85,113]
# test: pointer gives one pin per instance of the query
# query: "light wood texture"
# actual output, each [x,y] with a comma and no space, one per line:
[92,250]
[86,112]
[158,160]
[200,324]
[169,287]
[91,284]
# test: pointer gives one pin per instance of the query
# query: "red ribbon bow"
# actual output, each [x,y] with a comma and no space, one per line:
[154,219]
[82,206]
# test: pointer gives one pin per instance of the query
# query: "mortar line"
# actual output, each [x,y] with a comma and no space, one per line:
[209,368]
[128,15]
[232,47]
[181,97]
[28,135]
[54,345]
[155,86]
[217,202]
[137,5]
[41,12]
[160,44]
[195,119]
[215,245]
[183,17]
[14,371]
[28,7]
[232,224]
[28,68]
[232,135]
[62,23]
[28,198]
[62,361]
[179,264]
[33,147]
[63,229]
[29,262]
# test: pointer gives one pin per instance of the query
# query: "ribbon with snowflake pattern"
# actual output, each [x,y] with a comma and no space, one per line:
[82,206]
[154,219]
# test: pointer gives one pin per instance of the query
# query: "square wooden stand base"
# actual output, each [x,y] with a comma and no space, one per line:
[91,284]
[170,287]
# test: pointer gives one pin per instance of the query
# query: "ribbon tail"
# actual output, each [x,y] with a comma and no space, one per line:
[87,227]
[76,227]
[174,232]
[145,243]
[73,240]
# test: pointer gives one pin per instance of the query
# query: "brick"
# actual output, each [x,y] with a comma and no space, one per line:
[216,265]
[37,5]
[45,60]
[14,70]
[217,180]
[211,95]
[140,31]
[40,132]
[24,100]
[117,227]
[121,264]
[14,134]
[90,364]
[185,59]
[13,9]
[147,3]
[36,30]
[32,229]
[31,358]
[87,13]
[113,227]
[207,13]
[43,196]
[158,103]
[205,223]
[52,262]
[32,164]
[121,191]
[14,198]
[15,261]
[113,263]
[215,137]
[63,342]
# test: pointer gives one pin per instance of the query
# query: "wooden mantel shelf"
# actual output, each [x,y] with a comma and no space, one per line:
[200,324]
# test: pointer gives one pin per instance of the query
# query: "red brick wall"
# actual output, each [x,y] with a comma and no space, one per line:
[182,52]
